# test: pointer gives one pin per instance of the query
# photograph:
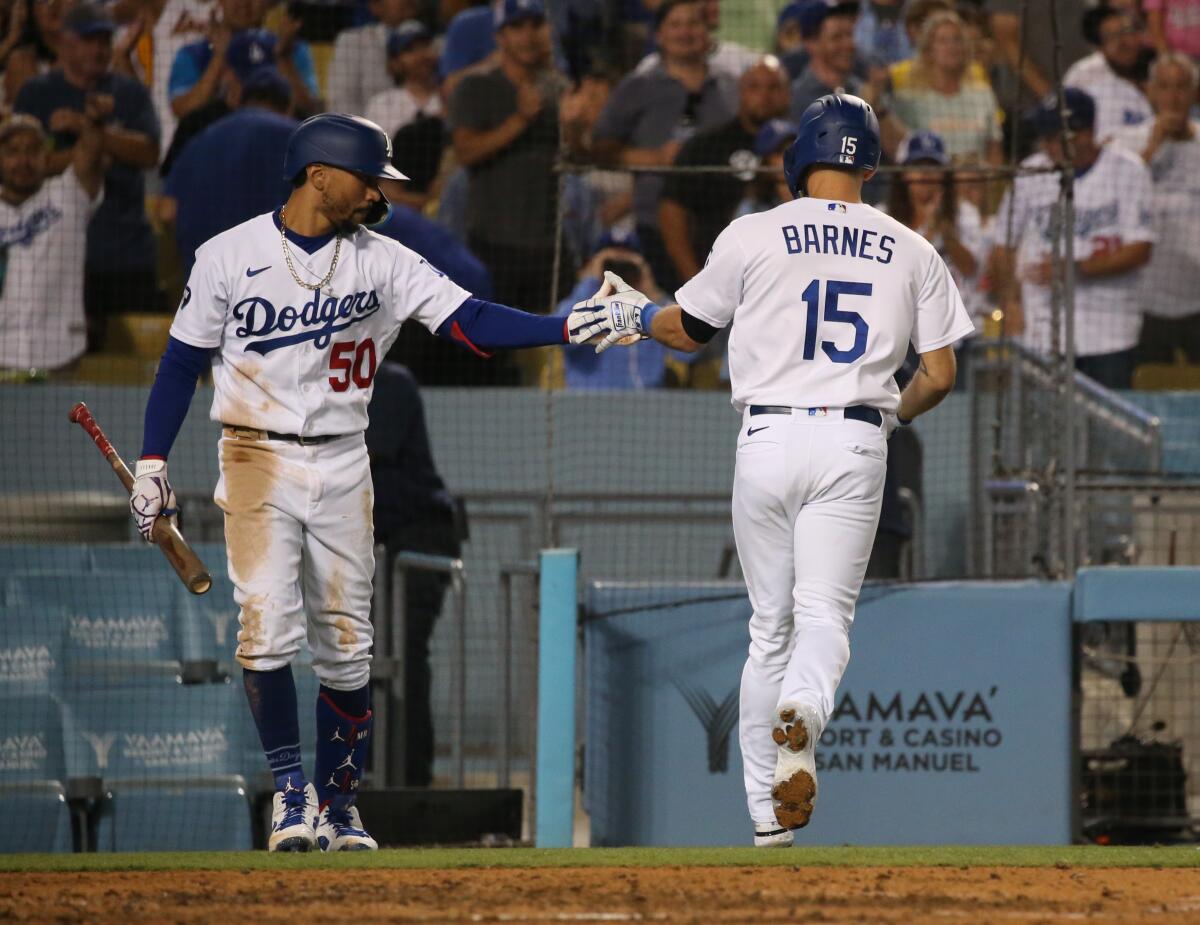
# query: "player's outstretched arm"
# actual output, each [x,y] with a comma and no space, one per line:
[629,316]
[934,380]
[481,326]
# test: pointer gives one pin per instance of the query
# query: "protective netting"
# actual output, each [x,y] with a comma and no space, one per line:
[543,146]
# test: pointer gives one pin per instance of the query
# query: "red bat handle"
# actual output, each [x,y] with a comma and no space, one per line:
[81,416]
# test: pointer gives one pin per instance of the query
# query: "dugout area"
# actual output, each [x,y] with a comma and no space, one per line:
[835,885]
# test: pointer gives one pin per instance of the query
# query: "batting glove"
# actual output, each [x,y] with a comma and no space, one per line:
[892,422]
[617,310]
[152,496]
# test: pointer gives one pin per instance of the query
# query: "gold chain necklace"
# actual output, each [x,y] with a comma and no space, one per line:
[287,256]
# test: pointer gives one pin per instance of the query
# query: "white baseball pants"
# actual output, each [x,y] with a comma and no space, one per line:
[806,496]
[300,541]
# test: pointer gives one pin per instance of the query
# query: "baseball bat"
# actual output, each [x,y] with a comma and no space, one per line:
[165,534]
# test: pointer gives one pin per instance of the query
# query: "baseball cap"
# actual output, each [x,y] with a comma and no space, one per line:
[250,50]
[1080,112]
[21,122]
[620,236]
[774,135]
[923,146]
[814,12]
[89,19]
[511,12]
[790,13]
[405,36]
[269,79]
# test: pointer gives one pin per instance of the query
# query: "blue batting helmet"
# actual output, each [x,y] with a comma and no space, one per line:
[839,130]
[349,142]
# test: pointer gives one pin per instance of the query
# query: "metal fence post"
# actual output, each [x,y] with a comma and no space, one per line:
[558,605]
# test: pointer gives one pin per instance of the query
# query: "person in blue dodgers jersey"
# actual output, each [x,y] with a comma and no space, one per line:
[294,309]
[824,294]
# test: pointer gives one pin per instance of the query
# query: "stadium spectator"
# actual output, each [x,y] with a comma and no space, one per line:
[43,225]
[505,132]
[767,190]
[200,67]
[175,23]
[247,52]
[724,57]
[928,202]
[943,91]
[788,38]
[470,41]
[17,59]
[36,51]
[696,207]
[650,115]
[232,170]
[1113,241]
[828,32]
[359,67]
[880,31]
[1170,146]
[1027,44]
[1112,74]
[417,151]
[1174,25]
[642,368]
[792,47]
[121,259]
[412,64]
[413,512]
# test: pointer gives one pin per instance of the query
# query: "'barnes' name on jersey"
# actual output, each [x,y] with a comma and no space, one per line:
[839,241]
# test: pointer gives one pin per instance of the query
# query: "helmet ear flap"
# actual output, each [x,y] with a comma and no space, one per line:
[791,170]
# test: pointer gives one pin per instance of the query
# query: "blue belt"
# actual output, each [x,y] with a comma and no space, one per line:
[854,413]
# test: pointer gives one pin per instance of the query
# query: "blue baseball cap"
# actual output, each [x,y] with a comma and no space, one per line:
[511,12]
[620,236]
[250,50]
[813,14]
[774,135]
[269,78]
[923,146]
[405,36]
[89,19]
[1080,111]
[790,13]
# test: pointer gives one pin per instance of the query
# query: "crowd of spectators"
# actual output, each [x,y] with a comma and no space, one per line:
[547,140]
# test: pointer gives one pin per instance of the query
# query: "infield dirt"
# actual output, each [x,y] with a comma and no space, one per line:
[978,895]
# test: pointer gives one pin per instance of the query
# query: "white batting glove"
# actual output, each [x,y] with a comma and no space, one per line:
[891,423]
[152,495]
[616,311]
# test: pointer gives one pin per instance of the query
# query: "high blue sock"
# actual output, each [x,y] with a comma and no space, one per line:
[272,698]
[344,723]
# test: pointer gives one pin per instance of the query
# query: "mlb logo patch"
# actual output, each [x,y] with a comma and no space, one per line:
[817,412]
[836,207]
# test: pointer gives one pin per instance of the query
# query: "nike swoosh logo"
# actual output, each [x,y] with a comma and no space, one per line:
[250,272]
[753,430]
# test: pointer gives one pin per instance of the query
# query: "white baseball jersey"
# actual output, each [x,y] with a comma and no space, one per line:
[824,298]
[41,288]
[1119,102]
[181,22]
[296,360]
[1113,207]
[1171,282]
[396,107]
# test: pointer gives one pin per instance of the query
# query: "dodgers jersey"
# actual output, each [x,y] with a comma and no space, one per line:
[1113,207]
[297,360]
[1171,281]
[824,298]
[1119,102]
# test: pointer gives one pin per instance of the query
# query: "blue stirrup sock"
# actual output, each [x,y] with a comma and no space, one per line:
[344,722]
[272,699]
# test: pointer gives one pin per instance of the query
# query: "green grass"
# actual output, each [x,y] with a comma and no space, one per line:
[450,858]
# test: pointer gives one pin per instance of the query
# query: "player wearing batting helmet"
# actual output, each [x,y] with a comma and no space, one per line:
[818,400]
[293,310]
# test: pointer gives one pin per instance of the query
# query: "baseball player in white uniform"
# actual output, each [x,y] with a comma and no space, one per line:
[1114,235]
[824,294]
[294,310]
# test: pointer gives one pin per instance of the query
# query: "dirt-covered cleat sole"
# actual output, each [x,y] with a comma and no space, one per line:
[770,835]
[296,845]
[795,788]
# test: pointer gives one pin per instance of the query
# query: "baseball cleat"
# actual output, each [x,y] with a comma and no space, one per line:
[795,789]
[342,830]
[294,820]
[770,835]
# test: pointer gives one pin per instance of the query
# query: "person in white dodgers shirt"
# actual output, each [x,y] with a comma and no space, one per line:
[1114,238]
[825,294]
[294,310]
[43,233]
[1170,148]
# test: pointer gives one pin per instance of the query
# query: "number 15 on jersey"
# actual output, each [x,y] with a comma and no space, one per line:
[834,290]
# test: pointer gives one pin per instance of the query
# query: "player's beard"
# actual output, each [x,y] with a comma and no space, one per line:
[344,217]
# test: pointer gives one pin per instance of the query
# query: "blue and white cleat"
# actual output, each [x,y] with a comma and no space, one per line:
[342,830]
[294,819]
